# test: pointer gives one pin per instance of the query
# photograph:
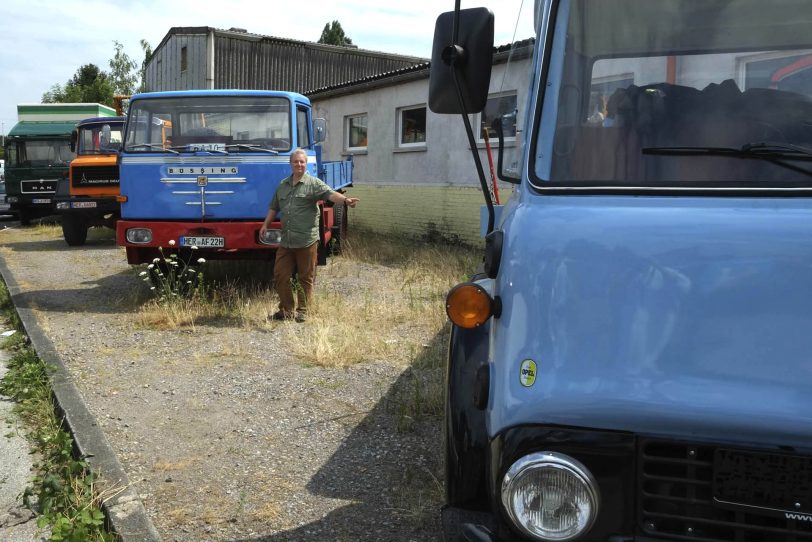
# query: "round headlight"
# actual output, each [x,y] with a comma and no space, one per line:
[550,496]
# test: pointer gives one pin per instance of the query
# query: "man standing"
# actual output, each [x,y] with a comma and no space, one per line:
[297,199]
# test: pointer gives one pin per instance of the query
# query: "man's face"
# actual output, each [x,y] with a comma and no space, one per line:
[298,163]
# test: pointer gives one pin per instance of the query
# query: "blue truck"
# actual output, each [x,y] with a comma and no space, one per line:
[632,360]
[199,168]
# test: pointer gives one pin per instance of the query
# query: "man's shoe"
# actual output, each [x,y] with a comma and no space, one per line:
[279,315]
[301,317]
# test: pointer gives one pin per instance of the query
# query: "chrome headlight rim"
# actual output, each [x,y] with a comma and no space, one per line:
[272,237]
[549,460]
[139,236]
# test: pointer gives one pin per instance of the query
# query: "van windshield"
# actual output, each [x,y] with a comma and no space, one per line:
[674,93]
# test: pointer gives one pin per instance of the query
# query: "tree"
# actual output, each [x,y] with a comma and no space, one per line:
[145,46]
[88,85]
[122,74]
[333,34]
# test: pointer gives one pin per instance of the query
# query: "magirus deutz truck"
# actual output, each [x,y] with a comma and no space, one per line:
[633,360]
[88,197]
[199,168]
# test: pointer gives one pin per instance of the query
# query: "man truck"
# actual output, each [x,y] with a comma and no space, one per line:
[38,154]
[199,168]
[632,360]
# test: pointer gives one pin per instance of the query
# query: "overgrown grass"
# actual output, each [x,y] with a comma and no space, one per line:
[381,300]
[64,492]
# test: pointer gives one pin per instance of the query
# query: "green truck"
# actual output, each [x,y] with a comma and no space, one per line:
[38,154]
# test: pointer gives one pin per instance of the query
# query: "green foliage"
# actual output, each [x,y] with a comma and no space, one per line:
[122,74]
[333,34]
[142,73]
[175,277]
[88,85]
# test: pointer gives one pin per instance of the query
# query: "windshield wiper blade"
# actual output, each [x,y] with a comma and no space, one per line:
[250,147]
[151,146]
[766,150]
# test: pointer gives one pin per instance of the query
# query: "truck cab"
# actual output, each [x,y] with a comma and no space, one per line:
[89,196]
[37,157]
[631,361]
[199,169]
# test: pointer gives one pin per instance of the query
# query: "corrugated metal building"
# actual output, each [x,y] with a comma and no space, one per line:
[203,57]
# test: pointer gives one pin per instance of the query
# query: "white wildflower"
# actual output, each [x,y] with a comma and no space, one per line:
[156,260]
[171,242]
[150,266]
[142,274]
[152,288]
[194,247]
[201,260]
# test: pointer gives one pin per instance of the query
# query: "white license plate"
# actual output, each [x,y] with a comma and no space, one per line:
[203,242]
[40,200]
[84,204]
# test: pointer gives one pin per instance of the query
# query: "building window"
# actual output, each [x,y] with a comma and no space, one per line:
[412,126]
[496,107]
[356,135]
[183,60]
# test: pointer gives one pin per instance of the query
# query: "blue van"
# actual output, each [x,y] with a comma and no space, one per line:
[633,361]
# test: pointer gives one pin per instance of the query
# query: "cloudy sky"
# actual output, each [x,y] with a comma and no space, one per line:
[44,42]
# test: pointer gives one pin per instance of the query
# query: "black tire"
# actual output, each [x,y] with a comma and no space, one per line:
[24,216]
[74,230]
[340,226]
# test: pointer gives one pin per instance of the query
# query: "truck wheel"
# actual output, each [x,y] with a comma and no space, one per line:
[466,438]
[339,230]
[24,216]
[74,230]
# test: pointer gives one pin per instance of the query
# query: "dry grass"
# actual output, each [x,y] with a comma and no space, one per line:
[379,300]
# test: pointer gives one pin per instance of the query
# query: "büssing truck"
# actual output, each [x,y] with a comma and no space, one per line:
[633,359]
[38,154]
[199,168]
[88,197]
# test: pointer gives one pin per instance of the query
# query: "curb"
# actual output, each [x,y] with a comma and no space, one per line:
[125,512]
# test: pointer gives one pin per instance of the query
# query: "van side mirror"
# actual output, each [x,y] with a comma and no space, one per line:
[319,130]
[469,53]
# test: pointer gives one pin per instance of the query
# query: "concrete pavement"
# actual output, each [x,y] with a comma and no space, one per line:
[17,524]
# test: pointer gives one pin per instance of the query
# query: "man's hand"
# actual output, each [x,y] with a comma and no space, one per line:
[351,201]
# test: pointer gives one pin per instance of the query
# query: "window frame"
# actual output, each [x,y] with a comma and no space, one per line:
[399,122]
[478,118]
[348,135]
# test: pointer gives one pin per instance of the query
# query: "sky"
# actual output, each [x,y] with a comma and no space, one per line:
[43,43]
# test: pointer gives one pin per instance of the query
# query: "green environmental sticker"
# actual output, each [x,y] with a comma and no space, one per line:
[527,376]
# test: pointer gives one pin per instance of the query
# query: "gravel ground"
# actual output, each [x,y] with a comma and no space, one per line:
[225,436]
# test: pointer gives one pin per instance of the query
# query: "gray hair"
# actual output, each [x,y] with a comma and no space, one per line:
[298,150]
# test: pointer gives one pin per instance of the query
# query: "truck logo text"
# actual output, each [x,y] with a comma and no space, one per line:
[527,374]
[202,170]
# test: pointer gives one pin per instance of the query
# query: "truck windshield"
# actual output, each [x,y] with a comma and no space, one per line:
[39,152]
[92,141]
[209,123]
[715,93]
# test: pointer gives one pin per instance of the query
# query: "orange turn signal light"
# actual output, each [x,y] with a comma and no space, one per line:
[121,199]
[468,305]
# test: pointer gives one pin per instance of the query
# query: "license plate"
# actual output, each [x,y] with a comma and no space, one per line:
[84,205]
[40,200]
[203,242]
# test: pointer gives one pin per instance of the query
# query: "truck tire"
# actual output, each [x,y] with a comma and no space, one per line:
[339,230]
[24,216]
[74,230]
[466,437]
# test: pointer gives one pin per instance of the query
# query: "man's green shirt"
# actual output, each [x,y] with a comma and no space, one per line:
[300,211]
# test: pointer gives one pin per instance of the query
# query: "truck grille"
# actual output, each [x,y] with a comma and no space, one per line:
[715,494]
[86,177]
[42,186]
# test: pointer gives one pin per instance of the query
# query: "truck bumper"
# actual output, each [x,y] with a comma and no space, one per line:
[93,211]
[240,240]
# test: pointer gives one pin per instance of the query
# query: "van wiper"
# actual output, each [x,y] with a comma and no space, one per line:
[152,147]
[250,148]
[767,150]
